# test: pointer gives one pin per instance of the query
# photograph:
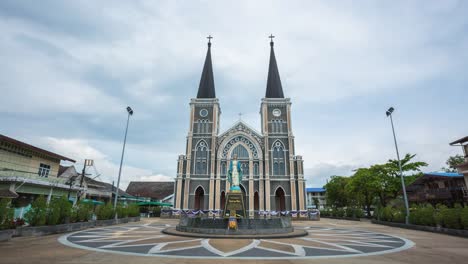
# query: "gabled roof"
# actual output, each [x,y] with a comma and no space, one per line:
[236,126]
[315,190]
[206,89]
[154,190]
[33,148]
[274,87]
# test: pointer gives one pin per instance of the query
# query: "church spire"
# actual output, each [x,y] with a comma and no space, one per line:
[207,87]
[274,88]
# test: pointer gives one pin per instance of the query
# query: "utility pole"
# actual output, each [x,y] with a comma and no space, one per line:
[87,162]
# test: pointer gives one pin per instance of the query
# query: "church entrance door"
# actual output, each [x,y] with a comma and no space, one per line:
[199,198]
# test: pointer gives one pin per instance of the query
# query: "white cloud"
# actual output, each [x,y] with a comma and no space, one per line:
[80,149]
[86,61]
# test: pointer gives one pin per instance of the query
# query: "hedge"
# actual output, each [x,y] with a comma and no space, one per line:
[427,215]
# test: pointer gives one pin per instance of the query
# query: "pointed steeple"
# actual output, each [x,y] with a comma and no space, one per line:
[207,87]
[274,88]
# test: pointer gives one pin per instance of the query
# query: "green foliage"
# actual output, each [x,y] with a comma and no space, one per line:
[53,212]
[464,217]
[105,212]
[122,211]
[452,162]
[451,217]
[438,217]
[316,202]
[340,212]
[423,215]
[81,212]
[6,213]
[325,212]
[133,210]
[59,211]
[336,193]
[37,215]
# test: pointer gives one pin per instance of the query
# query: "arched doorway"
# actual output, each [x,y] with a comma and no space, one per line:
[199,198]
[223,200]
[256,201]
[279,199]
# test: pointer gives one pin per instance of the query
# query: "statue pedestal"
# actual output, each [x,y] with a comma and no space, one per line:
[234,205]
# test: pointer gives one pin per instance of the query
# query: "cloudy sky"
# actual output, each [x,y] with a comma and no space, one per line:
[70,68]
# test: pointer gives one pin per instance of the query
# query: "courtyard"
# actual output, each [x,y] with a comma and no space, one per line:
[334,241]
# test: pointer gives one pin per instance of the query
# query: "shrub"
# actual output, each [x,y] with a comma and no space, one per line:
[6,214]
[464,217]
[324,212]
[105,212]
[121,211]
[53,212]
[423,215]
[358,213]
[349,212]
[438,217]
[37,215]
[451,217]
[387,214]
[340,212]
[59,211]
[133,210]
[81,212]
[398,215]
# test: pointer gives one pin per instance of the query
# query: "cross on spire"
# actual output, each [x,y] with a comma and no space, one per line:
[209,39]
[240,116]
[271,37]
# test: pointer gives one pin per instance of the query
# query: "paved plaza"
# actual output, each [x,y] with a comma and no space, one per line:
[334,241]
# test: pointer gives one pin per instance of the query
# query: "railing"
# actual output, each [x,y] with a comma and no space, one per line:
[20,176]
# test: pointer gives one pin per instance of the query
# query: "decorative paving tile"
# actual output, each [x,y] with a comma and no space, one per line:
[148,240]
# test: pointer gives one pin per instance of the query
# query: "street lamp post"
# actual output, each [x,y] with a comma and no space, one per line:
[389,114]
[130,112]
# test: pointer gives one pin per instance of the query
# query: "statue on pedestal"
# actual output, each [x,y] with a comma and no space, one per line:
[235,174]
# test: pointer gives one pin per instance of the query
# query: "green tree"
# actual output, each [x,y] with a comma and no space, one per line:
[37,215]
[452,162]
[408,166]
[6,213]
[336,191]
[363,186]
[316,202]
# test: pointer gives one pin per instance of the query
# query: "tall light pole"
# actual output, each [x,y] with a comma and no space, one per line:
[389,114]
[130,112]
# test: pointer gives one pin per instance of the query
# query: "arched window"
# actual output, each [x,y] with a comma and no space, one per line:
[245,169]
[240,151]
[201,158]
[278,159]
[223,168]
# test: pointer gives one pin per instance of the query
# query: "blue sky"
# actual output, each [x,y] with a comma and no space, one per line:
[70,69]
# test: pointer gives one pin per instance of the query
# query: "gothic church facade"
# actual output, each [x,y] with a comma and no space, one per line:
[273,177]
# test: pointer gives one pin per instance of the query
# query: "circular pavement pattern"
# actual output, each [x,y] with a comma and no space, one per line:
[321,242]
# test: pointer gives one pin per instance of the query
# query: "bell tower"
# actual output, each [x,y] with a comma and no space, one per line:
[282,174]
[196,169]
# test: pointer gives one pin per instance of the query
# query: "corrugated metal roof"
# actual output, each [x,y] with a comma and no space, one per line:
[315,190]
[443,174]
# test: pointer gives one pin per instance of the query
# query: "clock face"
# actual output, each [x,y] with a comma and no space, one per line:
[203,113]
[276,112]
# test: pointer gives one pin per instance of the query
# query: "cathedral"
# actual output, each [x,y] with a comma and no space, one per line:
[273,175]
